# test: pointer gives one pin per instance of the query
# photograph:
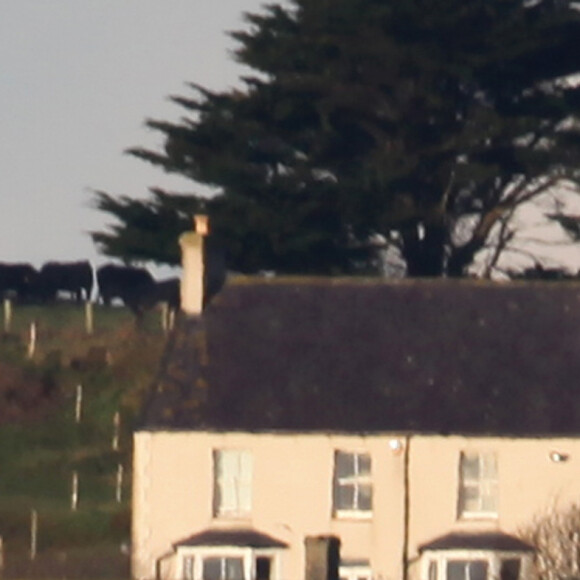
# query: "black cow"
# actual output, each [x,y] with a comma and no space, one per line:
[146,296]
[127,283]
[168,291]
[18,281]
[75,278]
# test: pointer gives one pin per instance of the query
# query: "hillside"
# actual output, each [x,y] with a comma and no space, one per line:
[67,407]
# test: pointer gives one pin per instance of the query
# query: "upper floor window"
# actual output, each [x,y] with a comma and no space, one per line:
[478,485]
[352,487]
[232,482]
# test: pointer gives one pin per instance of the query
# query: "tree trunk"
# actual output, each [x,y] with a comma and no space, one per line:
[424,250]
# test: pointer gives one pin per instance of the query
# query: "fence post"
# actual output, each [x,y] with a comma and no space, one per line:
[7,314]
[119,488]
[74,498]
[33,533]
[116,430]
[32,339]
[79,404]
[89,326]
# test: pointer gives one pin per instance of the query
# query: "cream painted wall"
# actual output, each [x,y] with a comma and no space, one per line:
[530,482]
[292,492]
[292,495]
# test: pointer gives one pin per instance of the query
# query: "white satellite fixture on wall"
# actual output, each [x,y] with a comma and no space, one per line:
[396,445]
[558,457]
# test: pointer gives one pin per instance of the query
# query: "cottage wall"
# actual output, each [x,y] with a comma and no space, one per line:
[291,496]
[535,475]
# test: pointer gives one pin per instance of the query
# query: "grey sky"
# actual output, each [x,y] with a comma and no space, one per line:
[78,80]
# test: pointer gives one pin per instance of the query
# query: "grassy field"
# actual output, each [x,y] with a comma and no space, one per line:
[46,444]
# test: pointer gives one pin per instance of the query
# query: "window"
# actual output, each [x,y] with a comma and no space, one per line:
[232,483]
[355,570]
[510,569]
[188,568]
[478,565]
[353,492]
[264,568]
[467,570]
[432,570]
[233,564]
[223,568]
[477,485]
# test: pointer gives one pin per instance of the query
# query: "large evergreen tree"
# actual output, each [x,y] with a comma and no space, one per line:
[423,123]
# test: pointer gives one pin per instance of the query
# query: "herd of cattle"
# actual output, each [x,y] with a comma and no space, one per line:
[134,287]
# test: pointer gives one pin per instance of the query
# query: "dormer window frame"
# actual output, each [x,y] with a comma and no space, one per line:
[191,560]
[435,564]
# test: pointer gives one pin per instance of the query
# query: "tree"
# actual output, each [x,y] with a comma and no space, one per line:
[556,536]
[423,124]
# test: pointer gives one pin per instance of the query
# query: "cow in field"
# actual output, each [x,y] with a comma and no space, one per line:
[17,280]
[162,291]
[126,283]
[74,278]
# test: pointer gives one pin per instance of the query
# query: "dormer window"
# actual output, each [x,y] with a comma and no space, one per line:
[491,555]
[229,554]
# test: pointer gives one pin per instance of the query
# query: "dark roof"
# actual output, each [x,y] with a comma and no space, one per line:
[232,537]
[482,541]
[373,355]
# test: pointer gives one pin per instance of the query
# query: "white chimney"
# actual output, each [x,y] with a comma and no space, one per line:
[192,261]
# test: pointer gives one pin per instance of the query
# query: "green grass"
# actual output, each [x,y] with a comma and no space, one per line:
[39,455]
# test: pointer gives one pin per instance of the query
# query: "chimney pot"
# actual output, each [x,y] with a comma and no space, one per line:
[201,224]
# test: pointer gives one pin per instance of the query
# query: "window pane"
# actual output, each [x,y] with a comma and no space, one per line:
[510,569]
[212,569]
[478,570]
[364,464]
[489,464]
[489,501]
[188,568]
[263,566]
[456,570]
[233,569]
[470,466]
[365,497]
[344,464]
[469,500]
[345,497]
[432,573]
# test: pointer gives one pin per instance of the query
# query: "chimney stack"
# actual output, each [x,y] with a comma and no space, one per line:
[192,261]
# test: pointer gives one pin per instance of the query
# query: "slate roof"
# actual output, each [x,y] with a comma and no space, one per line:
[369,355]
[242,537]
[496,541]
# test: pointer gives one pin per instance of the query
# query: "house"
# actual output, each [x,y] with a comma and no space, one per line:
[419,424]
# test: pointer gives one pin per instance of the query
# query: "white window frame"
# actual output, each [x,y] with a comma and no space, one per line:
[232,492]
[355,571]
[356,479]
[196,554]
[494,559]
[486,485]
